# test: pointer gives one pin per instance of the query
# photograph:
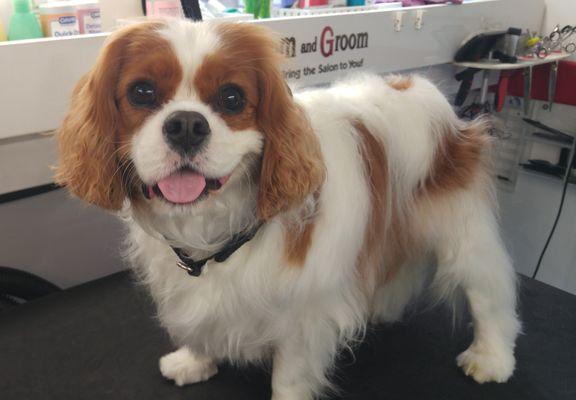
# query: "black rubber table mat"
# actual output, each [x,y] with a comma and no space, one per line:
[101,341]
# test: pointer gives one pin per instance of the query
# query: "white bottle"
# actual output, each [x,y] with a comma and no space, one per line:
[59,19]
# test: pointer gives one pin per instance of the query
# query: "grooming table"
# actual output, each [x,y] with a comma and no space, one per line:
[100,341]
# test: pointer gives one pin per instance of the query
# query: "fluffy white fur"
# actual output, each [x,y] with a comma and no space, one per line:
[254,307]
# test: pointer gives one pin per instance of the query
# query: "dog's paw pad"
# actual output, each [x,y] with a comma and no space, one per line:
[486,367]
[185,368]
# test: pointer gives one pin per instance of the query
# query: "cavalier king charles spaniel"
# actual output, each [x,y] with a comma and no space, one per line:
[275,226]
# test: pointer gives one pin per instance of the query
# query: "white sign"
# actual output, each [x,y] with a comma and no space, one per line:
[324,53]
[323,48]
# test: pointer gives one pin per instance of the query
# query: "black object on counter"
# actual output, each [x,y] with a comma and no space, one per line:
[192,10]
[17,287]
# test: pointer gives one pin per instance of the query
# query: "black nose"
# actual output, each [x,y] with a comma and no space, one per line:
[185,131]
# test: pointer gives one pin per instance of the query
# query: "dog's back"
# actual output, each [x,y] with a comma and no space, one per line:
[394,146]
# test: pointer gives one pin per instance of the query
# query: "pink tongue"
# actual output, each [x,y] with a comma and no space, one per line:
[182,186]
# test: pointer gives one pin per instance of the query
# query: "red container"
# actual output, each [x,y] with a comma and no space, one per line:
[312,3]
[565,83]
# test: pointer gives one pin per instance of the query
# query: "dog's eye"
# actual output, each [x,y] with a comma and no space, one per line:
[231,99]
[142,94]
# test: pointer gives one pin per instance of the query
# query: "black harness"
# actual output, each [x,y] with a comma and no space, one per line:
[194,268]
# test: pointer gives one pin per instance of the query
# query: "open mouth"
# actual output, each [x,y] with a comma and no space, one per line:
[184,186]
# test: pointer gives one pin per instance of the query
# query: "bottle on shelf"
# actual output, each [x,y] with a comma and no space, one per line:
[23,23]
[59,19]
[88,12]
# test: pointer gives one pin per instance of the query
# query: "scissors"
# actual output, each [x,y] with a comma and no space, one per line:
[557,41]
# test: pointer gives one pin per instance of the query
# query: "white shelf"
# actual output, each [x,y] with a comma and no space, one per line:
[298,12]
[37,76]
[522,62]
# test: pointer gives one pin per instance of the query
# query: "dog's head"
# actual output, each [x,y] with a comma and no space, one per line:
[174,115]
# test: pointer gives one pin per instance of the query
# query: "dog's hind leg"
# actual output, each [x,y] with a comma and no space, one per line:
[472,256]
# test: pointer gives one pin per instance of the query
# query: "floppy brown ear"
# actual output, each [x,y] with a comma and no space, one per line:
[88,137]
[292,164]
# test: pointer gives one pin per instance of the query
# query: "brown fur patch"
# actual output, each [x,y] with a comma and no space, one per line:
[94,138]
[385,246]
[400,83]
[292,166]
[376,171]
[457,161]
[394,242]
[297,243]
[233,64]
[149,58]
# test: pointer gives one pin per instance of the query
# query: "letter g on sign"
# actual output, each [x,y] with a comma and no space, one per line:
[327,41]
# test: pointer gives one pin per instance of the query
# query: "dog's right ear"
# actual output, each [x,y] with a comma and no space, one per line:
[292,164]
[88,138]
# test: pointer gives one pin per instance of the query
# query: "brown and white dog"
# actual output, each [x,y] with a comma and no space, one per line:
[357,189]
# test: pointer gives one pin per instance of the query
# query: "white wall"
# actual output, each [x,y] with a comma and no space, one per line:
[529,211]
[562,12]
[527,217]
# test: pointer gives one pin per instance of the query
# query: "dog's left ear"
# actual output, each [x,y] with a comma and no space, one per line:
[292,164]
[88,137]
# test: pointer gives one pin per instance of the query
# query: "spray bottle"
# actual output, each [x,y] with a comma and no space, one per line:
[23,24]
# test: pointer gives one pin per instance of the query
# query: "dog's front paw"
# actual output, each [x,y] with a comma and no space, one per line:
[484,366]
[287,395]
[184,368]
